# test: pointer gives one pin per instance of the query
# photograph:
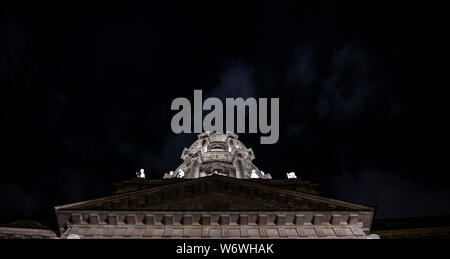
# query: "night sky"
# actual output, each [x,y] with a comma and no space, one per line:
[86,94]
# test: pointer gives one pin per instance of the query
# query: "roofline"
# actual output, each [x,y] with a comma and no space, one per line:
[247,182]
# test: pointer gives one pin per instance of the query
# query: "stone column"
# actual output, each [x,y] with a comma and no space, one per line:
[239,168]
[230,145]
[204,146]
[195,168]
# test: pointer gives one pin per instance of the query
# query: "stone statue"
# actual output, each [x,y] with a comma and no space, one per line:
[291,175]
[254,174]
[142,174]
[180,174]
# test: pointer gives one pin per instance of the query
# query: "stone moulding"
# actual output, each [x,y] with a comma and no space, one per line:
[220,224]
[360,220]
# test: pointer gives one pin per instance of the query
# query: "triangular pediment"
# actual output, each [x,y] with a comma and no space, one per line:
[215,193]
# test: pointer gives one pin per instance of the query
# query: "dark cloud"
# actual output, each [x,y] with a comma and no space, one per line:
[343,85]
[58,103]
[330,91]
[15,201]
[75,185]
[168,158]
[393,196]
[14,44]
[348,89]
[303,71]
[236,80]
[119,123]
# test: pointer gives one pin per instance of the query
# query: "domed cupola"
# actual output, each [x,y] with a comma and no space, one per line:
[216,153]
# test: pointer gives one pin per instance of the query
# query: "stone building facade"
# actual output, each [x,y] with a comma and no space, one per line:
[216,192]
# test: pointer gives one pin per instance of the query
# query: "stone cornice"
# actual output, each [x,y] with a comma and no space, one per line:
[253,232]
[360,220]
[26,233]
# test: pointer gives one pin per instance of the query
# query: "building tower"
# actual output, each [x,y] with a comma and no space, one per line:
[220,154]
